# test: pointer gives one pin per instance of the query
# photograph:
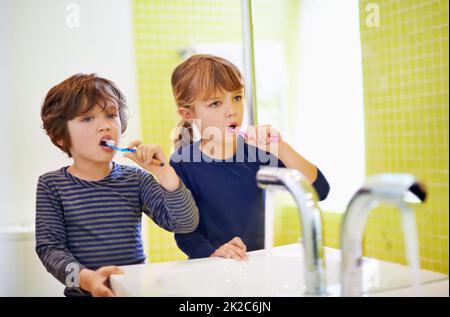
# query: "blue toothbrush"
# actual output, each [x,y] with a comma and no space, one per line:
[110,144]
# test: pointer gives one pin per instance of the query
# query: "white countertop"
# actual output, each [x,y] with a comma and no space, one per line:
[278,274]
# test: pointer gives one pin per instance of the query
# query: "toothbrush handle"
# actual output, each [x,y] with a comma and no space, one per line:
[273,138]
[243,134]
[154,162]
[122,149]
[128,150]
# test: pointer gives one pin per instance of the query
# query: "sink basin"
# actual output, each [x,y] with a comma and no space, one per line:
[278,272]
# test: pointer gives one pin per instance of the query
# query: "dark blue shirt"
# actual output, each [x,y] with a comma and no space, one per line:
[229,201]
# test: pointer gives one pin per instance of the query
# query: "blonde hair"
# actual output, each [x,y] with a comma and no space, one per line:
[197,78]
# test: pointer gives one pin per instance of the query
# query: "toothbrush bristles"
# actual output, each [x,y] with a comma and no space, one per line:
[107,143]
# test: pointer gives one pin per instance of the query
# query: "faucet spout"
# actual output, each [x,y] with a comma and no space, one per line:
[306,198]
[397,189]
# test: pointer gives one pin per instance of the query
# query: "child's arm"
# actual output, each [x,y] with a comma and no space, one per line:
[194,244]
[169,203]
[145,153]
[174,211]
[292,159]
[259,136]
[51,237]
[51,245]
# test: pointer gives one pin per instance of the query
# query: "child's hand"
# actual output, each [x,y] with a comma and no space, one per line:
[263,137]
[234,249]
[97,282]
[145,156]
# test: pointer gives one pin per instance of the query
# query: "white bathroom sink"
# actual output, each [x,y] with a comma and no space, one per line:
[278,274]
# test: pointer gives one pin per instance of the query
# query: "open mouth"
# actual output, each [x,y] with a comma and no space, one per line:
[233,126]
[106,141]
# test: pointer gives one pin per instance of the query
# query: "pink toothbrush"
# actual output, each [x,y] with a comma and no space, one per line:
[245,135]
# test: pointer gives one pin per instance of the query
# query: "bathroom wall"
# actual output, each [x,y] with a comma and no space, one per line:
[40,45]
[41,50]
[405,69]
[405,77]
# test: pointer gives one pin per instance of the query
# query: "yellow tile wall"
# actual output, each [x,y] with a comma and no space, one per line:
[405,73]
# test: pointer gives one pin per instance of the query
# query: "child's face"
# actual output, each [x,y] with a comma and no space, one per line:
[87,130]
[220,112]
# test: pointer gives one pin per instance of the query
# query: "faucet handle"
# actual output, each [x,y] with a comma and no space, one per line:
[279,178]
[396,187]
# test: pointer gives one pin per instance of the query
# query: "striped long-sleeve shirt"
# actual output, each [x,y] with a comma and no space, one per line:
[90,224]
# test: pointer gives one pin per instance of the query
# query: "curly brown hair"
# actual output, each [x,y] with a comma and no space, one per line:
[76,96]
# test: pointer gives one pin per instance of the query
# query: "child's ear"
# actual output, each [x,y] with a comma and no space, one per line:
[186,114]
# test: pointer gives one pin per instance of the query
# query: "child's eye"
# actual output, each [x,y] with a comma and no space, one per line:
[214,104]
[112,115]
[238,98]
[87,119]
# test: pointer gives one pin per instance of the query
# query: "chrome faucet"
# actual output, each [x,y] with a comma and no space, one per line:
[306,198]
[398,189]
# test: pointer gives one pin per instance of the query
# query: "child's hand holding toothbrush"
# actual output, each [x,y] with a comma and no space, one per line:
[268,139]
[152,158]
[265,137]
